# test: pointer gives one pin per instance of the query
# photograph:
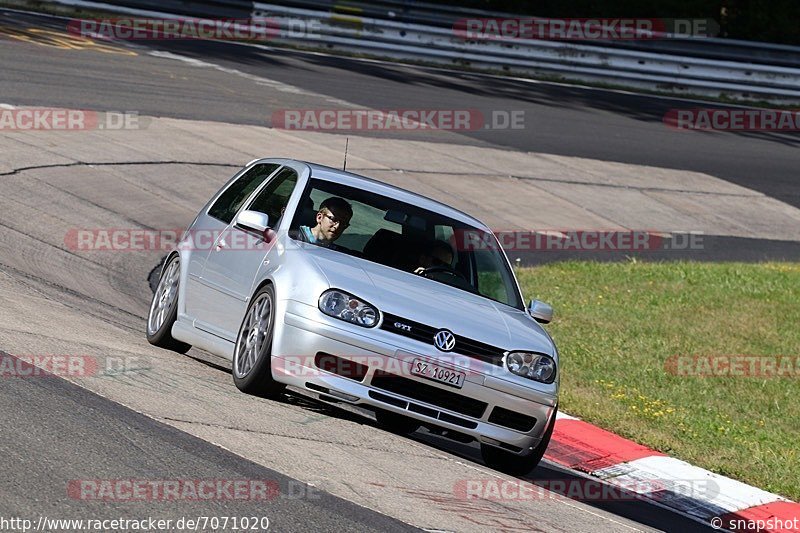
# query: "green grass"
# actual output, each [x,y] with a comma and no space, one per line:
[616,326]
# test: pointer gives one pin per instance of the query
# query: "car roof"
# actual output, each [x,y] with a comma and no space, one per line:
[378,187]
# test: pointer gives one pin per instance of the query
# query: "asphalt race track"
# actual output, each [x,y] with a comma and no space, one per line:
[238,84]
[75,428]
[564,120]
[147,414]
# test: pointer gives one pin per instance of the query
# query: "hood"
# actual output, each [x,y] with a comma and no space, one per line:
[433,303]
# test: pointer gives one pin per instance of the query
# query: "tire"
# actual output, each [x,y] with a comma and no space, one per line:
[253,351]
[396,423]
[164,309]
[517,465]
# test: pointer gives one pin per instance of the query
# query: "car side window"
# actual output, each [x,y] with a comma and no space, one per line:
[273,198]
[494,280]
[229,202]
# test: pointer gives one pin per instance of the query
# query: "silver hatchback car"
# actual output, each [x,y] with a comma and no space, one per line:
[368,294]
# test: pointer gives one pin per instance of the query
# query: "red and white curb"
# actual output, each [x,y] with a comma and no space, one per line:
[717,500]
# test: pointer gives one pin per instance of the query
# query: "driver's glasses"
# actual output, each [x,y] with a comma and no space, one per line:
[438,262]
[334,220]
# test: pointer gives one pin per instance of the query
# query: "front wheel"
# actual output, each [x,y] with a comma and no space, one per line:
[253,352]
[517,465]
[164,309]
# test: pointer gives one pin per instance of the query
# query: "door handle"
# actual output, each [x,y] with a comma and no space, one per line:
[220,245]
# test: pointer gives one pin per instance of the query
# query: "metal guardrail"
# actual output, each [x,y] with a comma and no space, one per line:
[403,40]
[341,27]
[444,16]
[719,49]
[397,10]
[237,9]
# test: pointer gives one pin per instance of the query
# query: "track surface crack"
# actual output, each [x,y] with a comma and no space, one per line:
[115,163]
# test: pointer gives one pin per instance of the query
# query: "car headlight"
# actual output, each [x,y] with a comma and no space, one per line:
[535,366]
[347,307]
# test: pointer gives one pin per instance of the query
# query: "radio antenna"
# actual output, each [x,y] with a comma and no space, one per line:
[346,143]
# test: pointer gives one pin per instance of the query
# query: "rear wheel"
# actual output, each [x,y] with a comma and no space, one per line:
[164,309]
[513,464]
[253,352]
[396,423]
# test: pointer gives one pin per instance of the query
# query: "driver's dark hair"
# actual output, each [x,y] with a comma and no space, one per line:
[337,205]
[438,244]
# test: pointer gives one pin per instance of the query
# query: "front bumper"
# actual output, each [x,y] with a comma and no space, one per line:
[304,332]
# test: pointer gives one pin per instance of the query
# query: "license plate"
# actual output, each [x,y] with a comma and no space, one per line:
[425,369]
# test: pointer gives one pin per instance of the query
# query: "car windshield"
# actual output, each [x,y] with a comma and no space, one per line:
[403,236]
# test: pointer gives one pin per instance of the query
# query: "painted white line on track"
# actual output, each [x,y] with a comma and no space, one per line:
[278,86]
[448,71]
[575,506]
[690,489]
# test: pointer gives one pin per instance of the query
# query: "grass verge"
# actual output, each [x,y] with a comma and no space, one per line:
[619,328]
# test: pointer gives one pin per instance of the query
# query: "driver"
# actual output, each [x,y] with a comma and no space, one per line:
[436,253]
[332,219]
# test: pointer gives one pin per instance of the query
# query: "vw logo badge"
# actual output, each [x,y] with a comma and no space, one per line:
[444,340]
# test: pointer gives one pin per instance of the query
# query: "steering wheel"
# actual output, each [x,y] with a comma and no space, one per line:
[444,269]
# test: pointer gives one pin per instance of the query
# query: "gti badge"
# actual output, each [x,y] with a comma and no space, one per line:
[404,327]
[444,340]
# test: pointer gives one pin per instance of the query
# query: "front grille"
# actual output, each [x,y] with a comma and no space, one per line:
[415,330]
[424,333]
[428,394]
[512,420]
[444,417]
[427,411]
[391,400]
[421,409]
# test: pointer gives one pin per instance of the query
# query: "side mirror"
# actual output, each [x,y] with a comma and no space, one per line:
[255,221]
[541,311]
